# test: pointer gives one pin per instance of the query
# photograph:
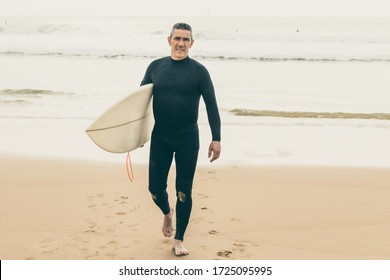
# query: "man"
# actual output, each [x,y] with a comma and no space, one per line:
[178,83]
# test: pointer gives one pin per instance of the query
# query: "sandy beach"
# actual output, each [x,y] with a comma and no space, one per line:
[53,208]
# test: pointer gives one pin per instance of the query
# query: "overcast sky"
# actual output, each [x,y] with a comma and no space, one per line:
[197,7]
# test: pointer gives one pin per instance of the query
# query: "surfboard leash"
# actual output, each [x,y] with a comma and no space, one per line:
[129,168]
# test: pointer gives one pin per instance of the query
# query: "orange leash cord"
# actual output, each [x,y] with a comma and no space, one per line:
[129,168]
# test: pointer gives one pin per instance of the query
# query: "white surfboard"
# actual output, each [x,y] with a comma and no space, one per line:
[127,125]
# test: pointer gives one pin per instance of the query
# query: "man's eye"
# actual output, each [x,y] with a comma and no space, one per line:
[185,39]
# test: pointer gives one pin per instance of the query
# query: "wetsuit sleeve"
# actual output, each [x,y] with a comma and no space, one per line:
[208,94]
[147,78]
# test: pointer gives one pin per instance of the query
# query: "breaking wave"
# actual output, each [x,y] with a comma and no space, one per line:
[27,96]
[29,92]
[204,57]
[318,115]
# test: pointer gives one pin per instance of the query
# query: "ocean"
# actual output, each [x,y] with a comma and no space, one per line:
[307,91]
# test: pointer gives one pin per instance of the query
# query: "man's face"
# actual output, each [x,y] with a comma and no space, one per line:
[180,43]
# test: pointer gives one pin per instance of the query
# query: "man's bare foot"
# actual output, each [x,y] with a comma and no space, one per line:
[179,248]
[167,229]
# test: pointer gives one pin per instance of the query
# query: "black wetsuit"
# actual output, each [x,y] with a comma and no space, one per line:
[177,88]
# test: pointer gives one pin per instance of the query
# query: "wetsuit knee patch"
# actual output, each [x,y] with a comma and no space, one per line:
[181,196]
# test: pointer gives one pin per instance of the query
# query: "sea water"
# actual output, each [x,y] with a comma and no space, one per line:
[58,74]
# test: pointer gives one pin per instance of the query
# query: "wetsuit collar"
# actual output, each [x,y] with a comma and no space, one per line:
[187,58]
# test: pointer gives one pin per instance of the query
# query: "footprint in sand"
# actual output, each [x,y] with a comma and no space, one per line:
[110,230]
[92,226]
[45,241]
[239,247]
[92,207]
[45,244]
[213,178]
[112,242]
[46,250]
[225,253]
[122,200]
[136,208]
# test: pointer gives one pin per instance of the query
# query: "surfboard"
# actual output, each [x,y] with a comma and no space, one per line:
[127,125]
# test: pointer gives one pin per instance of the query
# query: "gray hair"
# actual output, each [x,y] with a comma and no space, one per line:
[181,26]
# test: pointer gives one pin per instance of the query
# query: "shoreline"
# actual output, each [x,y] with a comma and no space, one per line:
[54,208]
[271,142]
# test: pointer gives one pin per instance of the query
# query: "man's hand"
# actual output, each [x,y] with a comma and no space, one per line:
[214,150]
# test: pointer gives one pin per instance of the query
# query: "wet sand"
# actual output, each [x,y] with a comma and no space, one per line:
[53,208]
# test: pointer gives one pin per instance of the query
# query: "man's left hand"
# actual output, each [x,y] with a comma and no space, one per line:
[214,150]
